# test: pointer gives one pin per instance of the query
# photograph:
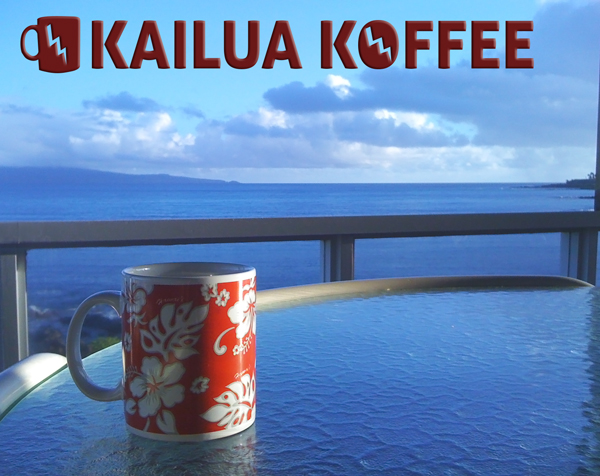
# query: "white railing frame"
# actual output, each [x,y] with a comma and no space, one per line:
[579,244]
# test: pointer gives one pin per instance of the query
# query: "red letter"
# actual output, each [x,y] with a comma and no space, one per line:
[479,43]
[253,46]
[97,50]
[446,44]
[180,44]
[513,44]
[111,44]
[282,30]
[200,61]
[149,30]
[412,43]
[340,45]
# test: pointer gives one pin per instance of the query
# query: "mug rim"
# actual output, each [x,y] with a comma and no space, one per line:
[189,272]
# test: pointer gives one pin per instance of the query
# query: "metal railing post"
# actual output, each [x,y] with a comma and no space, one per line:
[337,259]
[578,254]
[14,335]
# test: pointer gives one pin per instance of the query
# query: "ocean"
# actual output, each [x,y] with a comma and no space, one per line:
[58,280]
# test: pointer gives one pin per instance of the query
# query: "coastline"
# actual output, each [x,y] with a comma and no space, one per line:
[581,184]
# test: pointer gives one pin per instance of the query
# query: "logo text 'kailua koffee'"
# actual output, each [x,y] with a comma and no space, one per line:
[378,45]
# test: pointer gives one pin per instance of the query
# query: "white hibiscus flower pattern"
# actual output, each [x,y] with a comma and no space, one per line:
[156,386]
[200,385]
[211,291]
[127,342]
[135,295]
[136,300]
[243,312]
[208,291]
[173,333]
[222,298]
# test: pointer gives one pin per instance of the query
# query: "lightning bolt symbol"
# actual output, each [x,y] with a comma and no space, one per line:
[56,41]
[379,41]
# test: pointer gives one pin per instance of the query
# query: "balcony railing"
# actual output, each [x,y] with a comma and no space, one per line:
[579,243]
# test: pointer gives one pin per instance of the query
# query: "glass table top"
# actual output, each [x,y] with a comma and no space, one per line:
[490,382]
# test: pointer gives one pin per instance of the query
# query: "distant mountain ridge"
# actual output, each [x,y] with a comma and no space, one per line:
[77,176]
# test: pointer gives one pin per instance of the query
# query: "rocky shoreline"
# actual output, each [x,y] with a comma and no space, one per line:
[48,332]
[588,183]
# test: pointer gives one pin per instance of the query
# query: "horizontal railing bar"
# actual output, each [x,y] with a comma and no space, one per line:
[77,234]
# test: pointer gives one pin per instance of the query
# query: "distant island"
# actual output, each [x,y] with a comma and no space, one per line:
[588,183]
[69,176]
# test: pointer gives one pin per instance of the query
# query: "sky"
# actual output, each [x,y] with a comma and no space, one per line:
[308,124]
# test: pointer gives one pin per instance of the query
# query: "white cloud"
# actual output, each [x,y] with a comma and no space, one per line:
[178,141]
[310,142]
[339,85]
[271,118]
[413,119]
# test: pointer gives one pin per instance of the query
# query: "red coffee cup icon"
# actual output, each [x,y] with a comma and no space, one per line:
[58,44]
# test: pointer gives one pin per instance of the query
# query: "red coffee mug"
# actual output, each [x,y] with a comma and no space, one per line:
[58,44]
[189,350]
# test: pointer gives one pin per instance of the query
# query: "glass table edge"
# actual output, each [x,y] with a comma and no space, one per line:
[291,296]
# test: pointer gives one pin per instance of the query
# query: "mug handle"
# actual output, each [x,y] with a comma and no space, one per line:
[23,49]
[80,376]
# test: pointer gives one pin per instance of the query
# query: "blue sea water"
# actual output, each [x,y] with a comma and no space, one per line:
[58,280]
